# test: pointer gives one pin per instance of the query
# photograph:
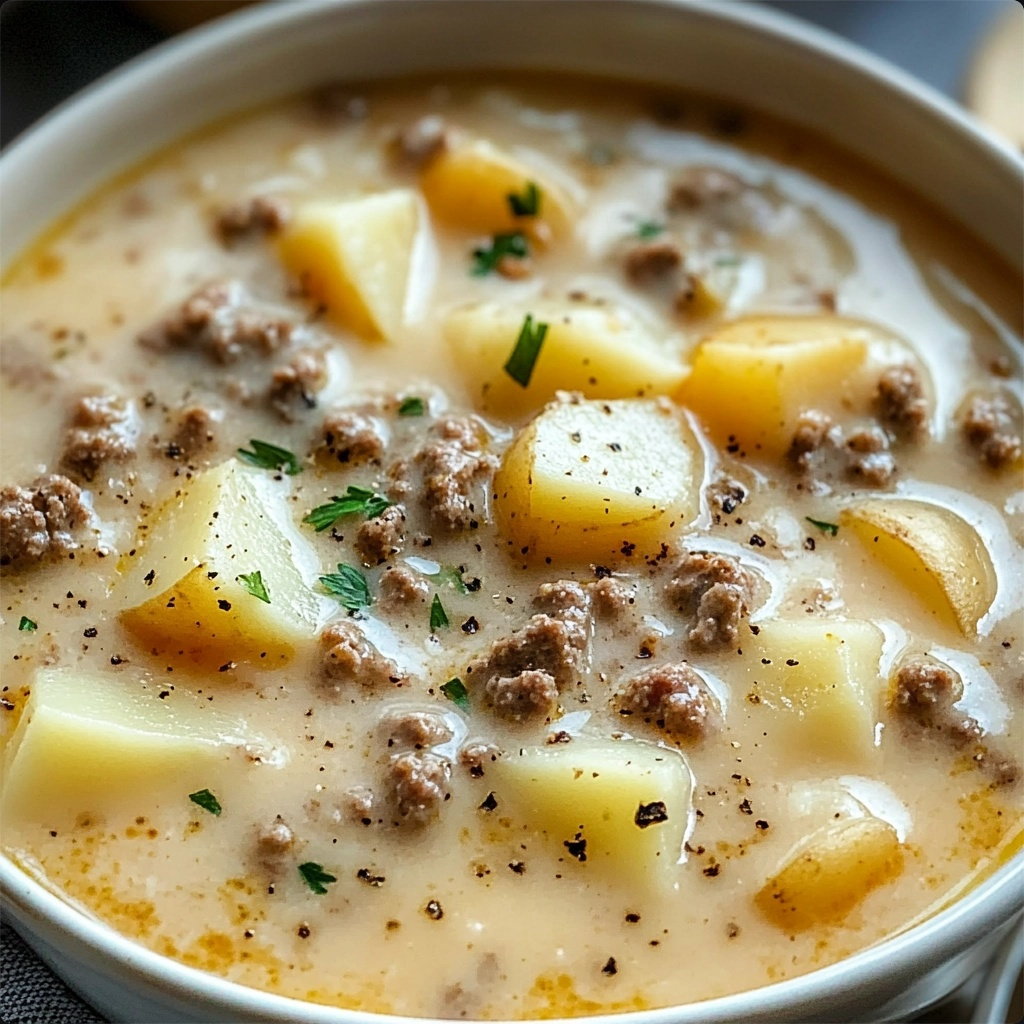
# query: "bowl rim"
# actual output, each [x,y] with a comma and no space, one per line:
[963,923]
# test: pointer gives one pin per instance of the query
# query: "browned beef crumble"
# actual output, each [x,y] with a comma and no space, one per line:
[261,215]
[414,730]
[456,471]
[675,698]
[421,141]
[218,322]
[101,429]
[357,803]
[352,437]
[714,592]
[569,602]
[294,386]
[870,458]
[925,692]
[477,756]
[527,694]
[697,187]
[992,430]
[545,644]
[379,539]
[40,521]
[901,403]
[349,658]
[652,261]
[400,587]
[726,494]
[812,433]
[611,599]
[194,434]
[274,842]
[418,784]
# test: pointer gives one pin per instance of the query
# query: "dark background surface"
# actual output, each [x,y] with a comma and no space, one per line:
[49,49]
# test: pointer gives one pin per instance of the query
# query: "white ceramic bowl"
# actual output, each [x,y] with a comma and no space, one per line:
[742,54]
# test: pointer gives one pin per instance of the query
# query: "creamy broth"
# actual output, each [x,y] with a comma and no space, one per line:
[446,897]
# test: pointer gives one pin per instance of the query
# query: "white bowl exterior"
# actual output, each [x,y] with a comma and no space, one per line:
[730,50]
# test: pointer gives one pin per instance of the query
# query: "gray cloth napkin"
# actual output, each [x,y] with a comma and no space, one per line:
[30,994]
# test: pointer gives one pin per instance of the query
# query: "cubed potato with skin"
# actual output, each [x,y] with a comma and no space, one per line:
[468,185]
[615,807]
[180,594]
[88,742]
[815,686]
[752,378]
[356,257]
[830,873]
[935,553]
[594,481]
[598,352]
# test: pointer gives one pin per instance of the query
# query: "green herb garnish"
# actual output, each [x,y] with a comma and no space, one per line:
[412,407]
[26,625]
[438,616]
[253,583]
[648,229]
[457,693]
[205,799]
[350,585]
[527,204]
[450,574]
[830,528]
[355,501]
[487,260]
[315,877]
[269,456]
[524,356]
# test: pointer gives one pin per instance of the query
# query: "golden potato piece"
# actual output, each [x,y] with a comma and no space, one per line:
[88,742]
[937,555]
[819,680]
[753,377]
[830,873]
[599,352]
[620,807]
[468,186]
[356,258]
[181,594]
[598,481]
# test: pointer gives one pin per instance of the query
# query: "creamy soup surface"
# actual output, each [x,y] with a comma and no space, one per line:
[509,550]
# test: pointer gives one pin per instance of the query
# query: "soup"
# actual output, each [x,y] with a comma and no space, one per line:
[509,550]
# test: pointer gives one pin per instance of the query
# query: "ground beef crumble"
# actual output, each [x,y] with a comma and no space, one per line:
[274,842]
[294,386]
[218,322]
[101,429]
[990,428]
[421,141]
[812,432]
[415,730]
[698,186]
[456,471]
[925,691]
[418,784]
[400,587]
[379,539]
[870,460]
[569,602]
[348,657]
[529,693]
[652,261]
[351,437]
[611,599]
[261,215]
[901,403]
[714,592]
[40,521]
[194,434]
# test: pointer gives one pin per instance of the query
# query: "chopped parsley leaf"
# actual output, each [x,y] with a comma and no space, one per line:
[438,616]
[451,574]
[26,625]
[253,583]
[205,799]
[830,528]
[526,204]
[349,585]
[648,229]
[269,456]
[513,244]
[412,406]
[524,356]
[315,877]
[457,693]
[355,501]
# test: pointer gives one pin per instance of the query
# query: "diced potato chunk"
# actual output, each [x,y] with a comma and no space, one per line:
[181,594]
[598,481]
[623,806]
[753,377]
[935,553]
[830,873]
[87,742]
[468,187]
[815,686]
[601,353]
[356,258]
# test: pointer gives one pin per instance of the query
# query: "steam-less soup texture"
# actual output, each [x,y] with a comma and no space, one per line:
[509,550]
